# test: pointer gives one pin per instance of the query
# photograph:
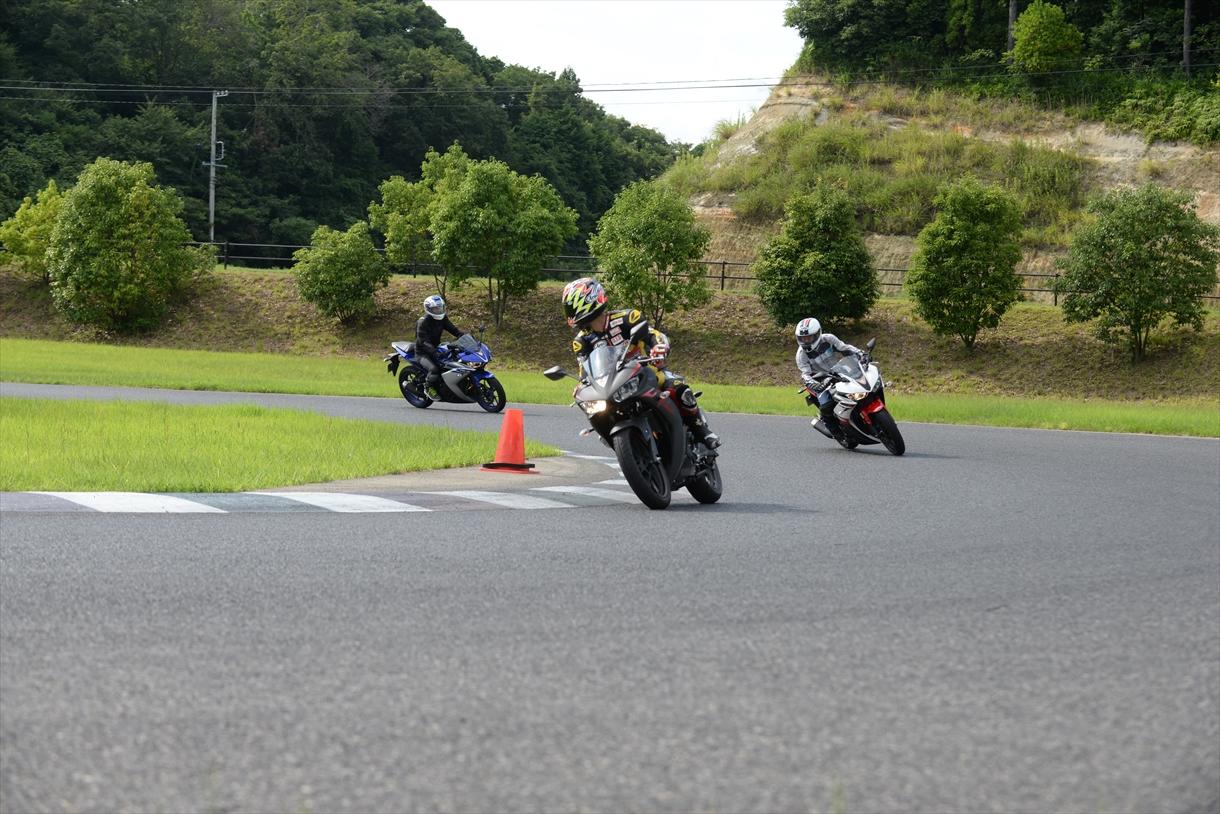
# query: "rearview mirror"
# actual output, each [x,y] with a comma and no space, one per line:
[870,343]
[556,373]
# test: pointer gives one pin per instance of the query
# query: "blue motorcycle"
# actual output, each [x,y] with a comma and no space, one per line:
[464,374]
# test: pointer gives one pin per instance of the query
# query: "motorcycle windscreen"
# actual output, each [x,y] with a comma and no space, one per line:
[850,367]
[602,362]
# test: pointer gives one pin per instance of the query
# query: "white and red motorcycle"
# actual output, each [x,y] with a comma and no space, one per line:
[859,395]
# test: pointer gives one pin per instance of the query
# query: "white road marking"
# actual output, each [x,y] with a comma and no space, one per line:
[614,482]
[591,491]
[134,502]
[342,502]
[509,500]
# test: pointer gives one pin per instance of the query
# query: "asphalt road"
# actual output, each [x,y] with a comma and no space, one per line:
[1001,620]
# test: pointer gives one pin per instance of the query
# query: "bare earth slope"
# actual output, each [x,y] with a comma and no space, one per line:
[1120,159]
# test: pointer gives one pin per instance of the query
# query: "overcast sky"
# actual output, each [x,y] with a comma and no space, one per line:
[610,42]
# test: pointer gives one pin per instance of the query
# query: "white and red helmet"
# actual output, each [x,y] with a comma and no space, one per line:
[808,332]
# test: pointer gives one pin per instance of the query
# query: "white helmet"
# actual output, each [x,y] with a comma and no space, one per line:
[434,306]
[808,332]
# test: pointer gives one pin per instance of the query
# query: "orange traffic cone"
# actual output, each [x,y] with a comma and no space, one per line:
[510,451]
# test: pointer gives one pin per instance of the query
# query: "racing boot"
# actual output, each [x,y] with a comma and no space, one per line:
[692,414]
[830,422]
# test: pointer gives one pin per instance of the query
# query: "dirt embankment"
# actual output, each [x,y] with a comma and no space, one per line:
[1119,159]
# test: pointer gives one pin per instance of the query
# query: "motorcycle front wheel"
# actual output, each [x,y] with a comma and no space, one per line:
[489,393]
[887,432]
[708,487]
[411,385]
[644,473]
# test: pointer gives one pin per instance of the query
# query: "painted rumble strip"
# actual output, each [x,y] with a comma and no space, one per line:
[133,502]
[341,502]
[591,491]
[509,500]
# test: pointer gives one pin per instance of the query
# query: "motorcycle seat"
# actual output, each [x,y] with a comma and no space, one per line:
[403,347]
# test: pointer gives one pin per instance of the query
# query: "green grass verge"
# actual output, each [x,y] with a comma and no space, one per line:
[77,363]
[51,445]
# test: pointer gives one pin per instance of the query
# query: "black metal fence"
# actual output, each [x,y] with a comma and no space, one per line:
[570,266]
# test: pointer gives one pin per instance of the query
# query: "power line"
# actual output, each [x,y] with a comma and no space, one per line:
[619,87]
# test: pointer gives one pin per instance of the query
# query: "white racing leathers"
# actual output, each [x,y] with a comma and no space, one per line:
[816,363]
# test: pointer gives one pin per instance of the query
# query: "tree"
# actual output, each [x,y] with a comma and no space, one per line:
[118,257]
[499,225]
[405,211]
[1044,40]
[962,277]
[341,271]
[27,234]
[817,265]
[1145,257]
[649,248]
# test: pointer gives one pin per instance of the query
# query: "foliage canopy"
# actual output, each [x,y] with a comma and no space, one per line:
[817,266]
[962,275]
[1147,257]
[648,247]
[118,258]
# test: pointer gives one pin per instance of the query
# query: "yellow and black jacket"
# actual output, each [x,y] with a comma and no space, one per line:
[618,329]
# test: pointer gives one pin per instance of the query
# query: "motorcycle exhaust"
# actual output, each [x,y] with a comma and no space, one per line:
[820,427]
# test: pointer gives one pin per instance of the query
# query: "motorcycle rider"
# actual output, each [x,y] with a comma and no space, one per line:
[428,332]
[585,306]
[816,353]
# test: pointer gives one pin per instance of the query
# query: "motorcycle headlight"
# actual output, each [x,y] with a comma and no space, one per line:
[627,390]
[593,407]
[857,396]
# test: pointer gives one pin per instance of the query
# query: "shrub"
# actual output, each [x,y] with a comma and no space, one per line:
[341,271]
[1043,40]
[27,234]
[962,277]
[649,247]
[118,258]
[1146,257]
[817,265]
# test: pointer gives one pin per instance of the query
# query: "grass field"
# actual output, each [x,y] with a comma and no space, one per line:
[88,364]
[51,445]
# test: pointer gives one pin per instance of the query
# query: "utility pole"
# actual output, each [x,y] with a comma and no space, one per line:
[212,165]
[1186,38]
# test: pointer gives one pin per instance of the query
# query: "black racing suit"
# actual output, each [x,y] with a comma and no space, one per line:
[618,330]
[428,333]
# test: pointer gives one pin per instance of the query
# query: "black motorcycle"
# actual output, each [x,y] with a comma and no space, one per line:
[641,422]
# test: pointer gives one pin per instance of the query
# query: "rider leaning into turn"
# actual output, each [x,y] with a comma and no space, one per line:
[816,353]
[428,332]
[584,305]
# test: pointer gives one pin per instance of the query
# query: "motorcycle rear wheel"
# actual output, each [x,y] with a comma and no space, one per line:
[708,487]
[489,393]
[644,473]
[411,385]
[887,432]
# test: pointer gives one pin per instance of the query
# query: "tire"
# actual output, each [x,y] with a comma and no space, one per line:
[489,394]
[887,431]
[707,487]
[644,474]
[411,385]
